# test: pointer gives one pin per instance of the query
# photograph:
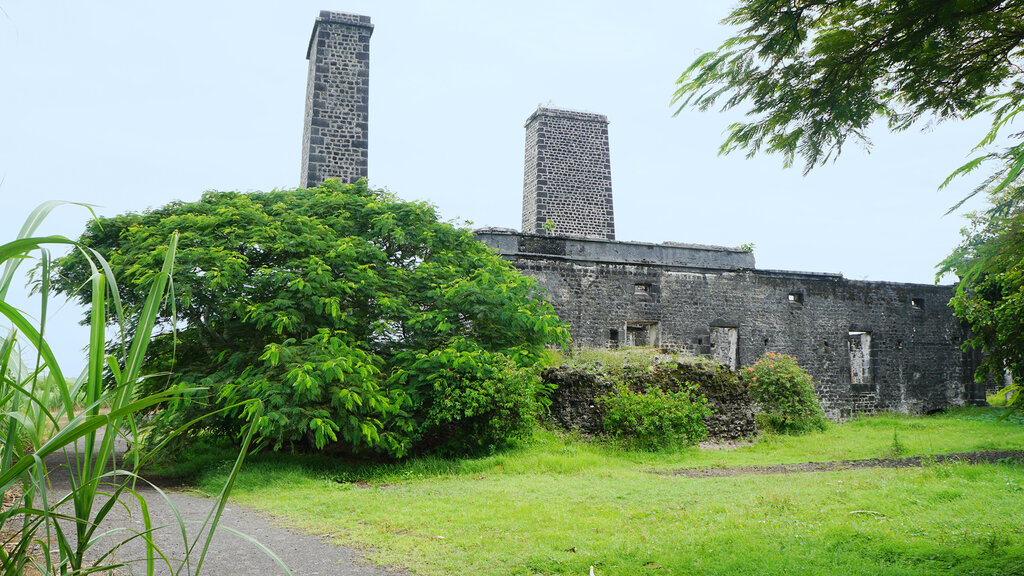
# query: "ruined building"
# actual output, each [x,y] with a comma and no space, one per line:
[871,346]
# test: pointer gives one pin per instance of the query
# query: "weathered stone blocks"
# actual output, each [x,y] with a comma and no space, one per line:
[335,132]
[576,405]
[567,182]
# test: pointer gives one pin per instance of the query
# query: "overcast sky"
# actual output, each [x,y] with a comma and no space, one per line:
[129,105]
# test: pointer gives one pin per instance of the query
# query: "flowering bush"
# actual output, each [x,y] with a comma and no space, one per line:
[785,393]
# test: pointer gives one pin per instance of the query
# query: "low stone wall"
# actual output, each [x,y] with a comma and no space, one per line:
[575,405]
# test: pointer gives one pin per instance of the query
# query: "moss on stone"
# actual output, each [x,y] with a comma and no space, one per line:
[589,375]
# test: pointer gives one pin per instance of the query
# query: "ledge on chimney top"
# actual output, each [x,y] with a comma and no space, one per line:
[564,113]
[344,18]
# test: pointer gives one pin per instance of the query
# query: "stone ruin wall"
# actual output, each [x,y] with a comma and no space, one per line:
[576,401]
[871,346]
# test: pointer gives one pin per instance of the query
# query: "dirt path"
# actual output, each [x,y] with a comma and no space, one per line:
[913,462]
[304,554]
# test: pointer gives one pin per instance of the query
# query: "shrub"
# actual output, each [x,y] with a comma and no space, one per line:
[472,399]
[785,393]
[327,305]
[655,418]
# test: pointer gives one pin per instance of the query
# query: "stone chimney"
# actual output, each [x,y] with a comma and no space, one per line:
[334,136]
[567,186]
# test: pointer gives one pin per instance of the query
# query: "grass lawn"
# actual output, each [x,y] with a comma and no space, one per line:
[557,505]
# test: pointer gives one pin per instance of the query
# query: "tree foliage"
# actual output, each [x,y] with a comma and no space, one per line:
[359,320]
[813,73]
[990,263]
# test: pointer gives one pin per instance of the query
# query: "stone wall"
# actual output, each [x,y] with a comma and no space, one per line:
[871,346]
[335,133]
[575,404]
[567,177]
[589,250]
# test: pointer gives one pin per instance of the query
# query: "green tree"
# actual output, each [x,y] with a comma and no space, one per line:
[813,73]
[358,320]
[990,263]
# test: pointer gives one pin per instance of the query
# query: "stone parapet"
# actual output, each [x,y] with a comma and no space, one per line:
[514,244]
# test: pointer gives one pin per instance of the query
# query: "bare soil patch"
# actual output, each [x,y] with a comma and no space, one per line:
[981,457]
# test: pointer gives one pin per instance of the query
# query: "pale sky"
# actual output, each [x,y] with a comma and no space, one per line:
[130,105]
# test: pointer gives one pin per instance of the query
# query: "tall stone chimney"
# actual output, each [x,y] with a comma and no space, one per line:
[567,186]
[334,136]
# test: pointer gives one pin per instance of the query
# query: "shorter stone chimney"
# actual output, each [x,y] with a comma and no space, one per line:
[567,186]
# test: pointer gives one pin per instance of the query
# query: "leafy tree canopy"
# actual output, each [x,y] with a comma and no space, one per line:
[359,320]
[990,264]
[813,73]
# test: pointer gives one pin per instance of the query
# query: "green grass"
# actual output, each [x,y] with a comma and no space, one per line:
[557,505]
[601,359]
[186,463]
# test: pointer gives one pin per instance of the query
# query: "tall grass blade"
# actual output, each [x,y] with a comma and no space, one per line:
[94,383]
[78,428]
[13,260]
[26,328]
[222,499]
[148,317]
[35,396]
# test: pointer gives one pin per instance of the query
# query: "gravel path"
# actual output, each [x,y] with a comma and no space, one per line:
[304,554]
[912,462]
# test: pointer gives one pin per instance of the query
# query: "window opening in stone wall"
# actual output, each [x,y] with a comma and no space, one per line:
[723,346]
[860,358]
[613,338]
[917,303]
[642,334]
[796,297]
[644,291]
